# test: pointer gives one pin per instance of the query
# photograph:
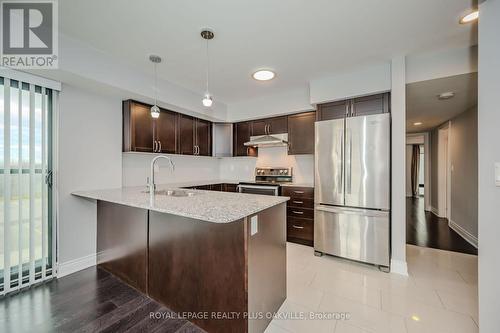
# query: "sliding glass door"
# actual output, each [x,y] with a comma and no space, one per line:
[26,234]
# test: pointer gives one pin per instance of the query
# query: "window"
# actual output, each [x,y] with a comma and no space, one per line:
[26,233]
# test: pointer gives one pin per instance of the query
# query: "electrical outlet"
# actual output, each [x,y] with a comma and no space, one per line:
[254,225]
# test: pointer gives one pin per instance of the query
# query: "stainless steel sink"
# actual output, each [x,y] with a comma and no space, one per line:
[174,193]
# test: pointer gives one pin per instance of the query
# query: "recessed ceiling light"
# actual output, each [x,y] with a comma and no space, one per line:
[418,123]
[470,17]
[264,75]
[446,95]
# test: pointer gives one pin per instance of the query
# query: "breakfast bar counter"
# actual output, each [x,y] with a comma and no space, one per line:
[217,257]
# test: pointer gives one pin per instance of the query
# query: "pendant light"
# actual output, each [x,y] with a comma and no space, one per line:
[207,99]
[155,110]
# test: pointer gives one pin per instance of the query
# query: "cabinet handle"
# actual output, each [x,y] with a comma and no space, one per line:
[297,212]
[298,192]
[159,149]
[298,202]
[194,150]
[297,226]
[155,144]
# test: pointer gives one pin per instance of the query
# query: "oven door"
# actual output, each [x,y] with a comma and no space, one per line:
[259,189]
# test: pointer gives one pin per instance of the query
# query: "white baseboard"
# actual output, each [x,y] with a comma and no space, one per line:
[75,265]
[470,238]
[399,267]
[435,211]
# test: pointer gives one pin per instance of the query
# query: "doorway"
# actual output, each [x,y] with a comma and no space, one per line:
[26,224]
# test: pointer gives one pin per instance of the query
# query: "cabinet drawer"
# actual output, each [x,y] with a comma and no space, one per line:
[301,203]
[300,212]
[298,192]
[300,228]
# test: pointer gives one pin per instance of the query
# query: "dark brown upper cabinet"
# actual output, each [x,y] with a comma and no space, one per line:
[166,132]
[301,133]
[203,137]
[186,134]
[138,127]
[195,136]
[241,134]
[360,106]
[334,110]
[259,127]
[375,104]
[276,125]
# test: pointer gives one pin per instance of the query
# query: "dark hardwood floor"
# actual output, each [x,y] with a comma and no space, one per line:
[426,229]
[91,300]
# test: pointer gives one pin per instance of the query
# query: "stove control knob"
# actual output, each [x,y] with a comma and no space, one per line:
[285,172]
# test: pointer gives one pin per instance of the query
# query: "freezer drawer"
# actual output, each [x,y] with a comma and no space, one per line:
[357,234]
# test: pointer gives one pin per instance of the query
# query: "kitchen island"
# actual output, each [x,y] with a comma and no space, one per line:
[217,258]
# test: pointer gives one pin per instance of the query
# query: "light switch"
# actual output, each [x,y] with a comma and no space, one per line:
[497,174]
[254,225]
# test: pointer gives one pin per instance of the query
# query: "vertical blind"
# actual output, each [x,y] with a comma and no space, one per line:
[27,242]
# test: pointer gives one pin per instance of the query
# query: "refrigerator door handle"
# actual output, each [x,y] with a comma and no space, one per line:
[352,211]
[340,175]
[348,171]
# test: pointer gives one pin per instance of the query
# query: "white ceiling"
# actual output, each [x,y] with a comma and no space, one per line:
[299,39]
[422,104]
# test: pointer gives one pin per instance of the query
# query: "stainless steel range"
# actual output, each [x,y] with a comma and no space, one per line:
[268,181]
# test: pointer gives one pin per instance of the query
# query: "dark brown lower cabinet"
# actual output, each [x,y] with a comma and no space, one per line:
[299,230]
[124,230]
[300,214]
[230,187]
[204,268]
[193,265]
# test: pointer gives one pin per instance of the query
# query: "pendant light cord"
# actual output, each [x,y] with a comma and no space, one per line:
[208,66]
[156,84]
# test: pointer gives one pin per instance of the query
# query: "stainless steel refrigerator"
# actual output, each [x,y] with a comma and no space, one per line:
[352,188]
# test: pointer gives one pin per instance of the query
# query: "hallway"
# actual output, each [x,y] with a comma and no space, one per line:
[426,229]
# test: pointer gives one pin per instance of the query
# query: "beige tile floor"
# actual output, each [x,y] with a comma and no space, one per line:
[439,295]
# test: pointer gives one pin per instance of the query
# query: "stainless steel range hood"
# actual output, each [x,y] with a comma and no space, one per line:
[275,140]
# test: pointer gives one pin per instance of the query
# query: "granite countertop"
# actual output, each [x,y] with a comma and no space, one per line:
[298,184]
[200,183]
[211,206]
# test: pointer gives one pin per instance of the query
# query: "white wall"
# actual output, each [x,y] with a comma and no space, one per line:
[79,61]
[365,81]
[489,153]
[242,168]
[292,101]
[90,131]
[444,63]
[136,168]
[398,151]
[464,172]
